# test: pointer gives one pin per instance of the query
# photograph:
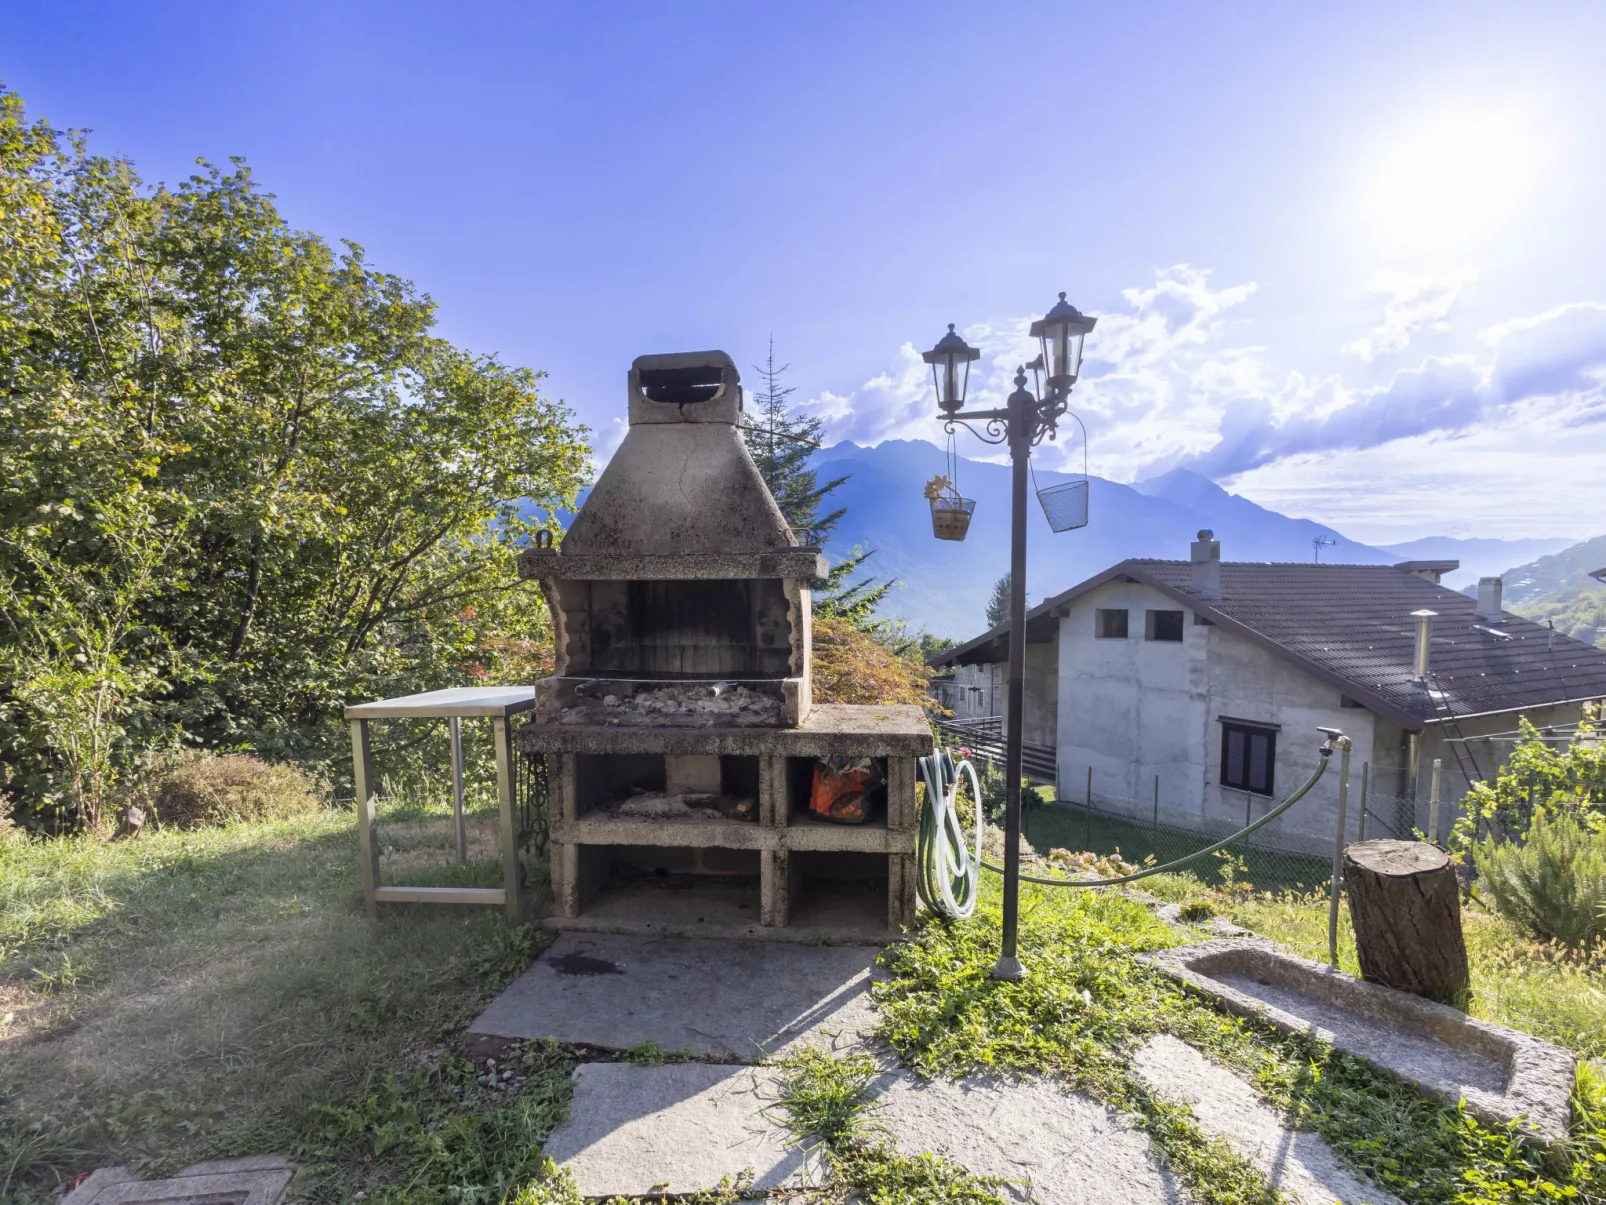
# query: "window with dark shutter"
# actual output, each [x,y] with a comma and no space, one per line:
[1248,757]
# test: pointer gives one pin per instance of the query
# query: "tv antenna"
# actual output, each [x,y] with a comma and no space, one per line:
[1317,543]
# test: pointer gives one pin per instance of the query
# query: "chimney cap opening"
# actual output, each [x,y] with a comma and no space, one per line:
[682,386]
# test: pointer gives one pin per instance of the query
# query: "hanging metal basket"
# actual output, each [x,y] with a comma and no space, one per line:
[950,516]
[1065,505]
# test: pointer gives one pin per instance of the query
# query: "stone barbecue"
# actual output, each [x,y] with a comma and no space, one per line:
[684,755]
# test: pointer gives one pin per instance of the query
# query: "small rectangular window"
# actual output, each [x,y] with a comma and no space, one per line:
[1248,758]
[1163,625]
[1109,624]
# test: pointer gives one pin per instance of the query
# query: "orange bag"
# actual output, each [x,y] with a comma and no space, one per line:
[842,786]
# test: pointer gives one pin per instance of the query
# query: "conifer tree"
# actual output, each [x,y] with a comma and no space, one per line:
[998,604]
[782,443]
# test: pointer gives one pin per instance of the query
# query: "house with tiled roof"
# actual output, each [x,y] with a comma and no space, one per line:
[1211,678]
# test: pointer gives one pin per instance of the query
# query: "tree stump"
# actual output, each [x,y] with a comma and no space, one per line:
[1405,904]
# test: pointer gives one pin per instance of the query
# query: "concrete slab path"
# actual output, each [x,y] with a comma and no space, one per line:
[254,1180]
[1295,1161]
[736,1000]
[678,1128]
[1050,1146]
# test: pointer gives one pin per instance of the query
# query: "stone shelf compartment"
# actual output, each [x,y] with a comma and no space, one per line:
[1502,1074]
[632,805]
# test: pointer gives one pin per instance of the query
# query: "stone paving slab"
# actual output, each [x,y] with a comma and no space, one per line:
[1051,1146]
[715,999]
[1297,1162]
[676,1127]
[255,1180]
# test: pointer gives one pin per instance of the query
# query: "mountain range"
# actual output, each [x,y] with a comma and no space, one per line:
[945,584]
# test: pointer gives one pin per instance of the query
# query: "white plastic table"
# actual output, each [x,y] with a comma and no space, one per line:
[496,703]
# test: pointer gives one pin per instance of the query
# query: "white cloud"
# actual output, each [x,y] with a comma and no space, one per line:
[1507,432]
[1415,304]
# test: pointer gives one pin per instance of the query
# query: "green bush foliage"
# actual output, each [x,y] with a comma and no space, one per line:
[205,789]
[1539,777]
[244,481]
[1553,885]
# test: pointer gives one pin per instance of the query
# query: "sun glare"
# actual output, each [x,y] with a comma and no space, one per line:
[1447,184]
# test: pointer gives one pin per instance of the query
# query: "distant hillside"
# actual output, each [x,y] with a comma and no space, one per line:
[946,584]
[1559,589]
[1552,574]
[1479,557]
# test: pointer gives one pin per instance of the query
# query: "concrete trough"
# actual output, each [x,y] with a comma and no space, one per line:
[1503,1075]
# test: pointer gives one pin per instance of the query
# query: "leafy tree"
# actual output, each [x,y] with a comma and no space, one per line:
[852,666]
[998,604]
[1540,779]
[245,483]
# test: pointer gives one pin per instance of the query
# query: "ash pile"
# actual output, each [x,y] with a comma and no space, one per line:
[679,705]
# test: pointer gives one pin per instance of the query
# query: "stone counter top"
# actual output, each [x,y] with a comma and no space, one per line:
[897,730]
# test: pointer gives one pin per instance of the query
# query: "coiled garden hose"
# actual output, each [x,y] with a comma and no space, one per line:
[947,872]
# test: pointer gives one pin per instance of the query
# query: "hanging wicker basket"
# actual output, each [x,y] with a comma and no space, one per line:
[950,516]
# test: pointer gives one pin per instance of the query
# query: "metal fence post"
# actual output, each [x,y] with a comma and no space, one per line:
[1433,801]
[1366,773]
[1338,852]
[1087,826]
[1155,827]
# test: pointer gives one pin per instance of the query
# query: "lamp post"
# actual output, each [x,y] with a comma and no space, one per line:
[1023,422]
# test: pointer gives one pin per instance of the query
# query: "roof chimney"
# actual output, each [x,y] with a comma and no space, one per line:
[1489,592]
[1206,557]
[1424,633]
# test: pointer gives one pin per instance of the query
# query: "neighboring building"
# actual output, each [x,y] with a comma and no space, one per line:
[1214,677]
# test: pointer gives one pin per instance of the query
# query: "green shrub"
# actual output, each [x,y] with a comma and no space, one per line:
[1554,885]
[233,786]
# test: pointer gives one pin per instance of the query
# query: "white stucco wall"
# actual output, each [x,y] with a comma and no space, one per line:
[1137,709]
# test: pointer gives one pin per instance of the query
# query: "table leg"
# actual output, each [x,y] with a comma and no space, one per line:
[512,872]
[362,764]
[455,726]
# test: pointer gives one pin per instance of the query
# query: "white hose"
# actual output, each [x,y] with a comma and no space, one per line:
[952,862]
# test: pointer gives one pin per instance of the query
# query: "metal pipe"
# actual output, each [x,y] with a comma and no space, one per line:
[1343,743]
[455,729]
[1433,802]
[1424,638]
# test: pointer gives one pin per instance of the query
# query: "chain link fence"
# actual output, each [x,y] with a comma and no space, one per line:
[1290,854]
[1138,830]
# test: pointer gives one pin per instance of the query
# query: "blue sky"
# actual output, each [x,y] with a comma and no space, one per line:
[1347,258]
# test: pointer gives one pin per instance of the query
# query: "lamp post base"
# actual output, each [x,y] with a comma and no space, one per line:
[1009,969]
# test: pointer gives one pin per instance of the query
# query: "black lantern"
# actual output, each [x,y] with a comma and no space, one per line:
[950,369]
[1060,332]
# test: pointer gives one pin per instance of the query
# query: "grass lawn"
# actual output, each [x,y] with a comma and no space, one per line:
[219,992]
